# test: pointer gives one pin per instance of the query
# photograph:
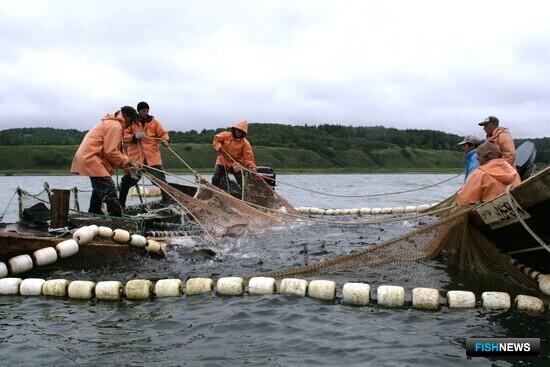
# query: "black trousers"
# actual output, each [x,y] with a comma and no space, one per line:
[219,179]
[104,191]
[128,181]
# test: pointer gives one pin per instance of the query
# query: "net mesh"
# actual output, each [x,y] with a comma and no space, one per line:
[219,213]
[258,192]
[452,239]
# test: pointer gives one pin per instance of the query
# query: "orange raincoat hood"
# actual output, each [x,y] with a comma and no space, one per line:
[488,181]
[242,125]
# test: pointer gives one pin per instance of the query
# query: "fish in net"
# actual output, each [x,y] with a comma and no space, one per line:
[451,240]
[219,213]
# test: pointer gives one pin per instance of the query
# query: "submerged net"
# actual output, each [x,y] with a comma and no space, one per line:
[452,240]
[219,213]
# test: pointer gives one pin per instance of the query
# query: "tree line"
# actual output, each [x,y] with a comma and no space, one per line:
[323,139]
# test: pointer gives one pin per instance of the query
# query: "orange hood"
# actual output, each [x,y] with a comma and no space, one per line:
[499,130]
[242,125]
[501,170]
[117,116]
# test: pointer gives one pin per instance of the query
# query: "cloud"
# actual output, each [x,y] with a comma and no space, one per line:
[206,64]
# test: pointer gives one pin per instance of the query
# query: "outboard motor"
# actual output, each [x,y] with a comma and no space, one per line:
[525,159]
[268,175]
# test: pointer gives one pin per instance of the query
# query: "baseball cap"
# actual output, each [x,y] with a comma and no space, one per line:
[472,139]
[489,119]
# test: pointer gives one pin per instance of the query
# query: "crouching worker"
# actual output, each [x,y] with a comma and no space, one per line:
[143,139]
[100,151]
[490,179]
[234,150]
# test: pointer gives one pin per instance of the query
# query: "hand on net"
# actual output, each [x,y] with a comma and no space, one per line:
[139,135]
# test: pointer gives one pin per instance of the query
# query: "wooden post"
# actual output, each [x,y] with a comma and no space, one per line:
[59,211]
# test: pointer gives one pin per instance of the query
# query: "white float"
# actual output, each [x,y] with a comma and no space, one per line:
[105,232]
[293,287]
[425,298]
[386,211]
[84,235]
[3,270]
[138,240]
[120,235]
[496,300]
[529,304]
[345,212]
[399,210]
[423,207]
[355,211]
[356,294]
[44,256]
[67,248]
[322,289]
[365,211]
[31,287]
[108,290]
[195,286]
[81,289]
[9,286]
[329,212]
[376,211]
[390,296]
[461,299]
[410,209]
[138,289]
[55,287]
[230,286]
[94,229]
[544,283]
[168,288]
[155,247]
[261,285]
[20,264]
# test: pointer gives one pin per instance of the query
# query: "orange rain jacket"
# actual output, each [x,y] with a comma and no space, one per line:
[101,149]
[488,181]
[145,150]
[239,149]
[502,137]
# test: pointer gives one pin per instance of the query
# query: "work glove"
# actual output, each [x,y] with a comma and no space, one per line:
[164,143]
[139,135]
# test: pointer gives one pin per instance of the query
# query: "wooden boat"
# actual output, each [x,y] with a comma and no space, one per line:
[95,254]
[499,220]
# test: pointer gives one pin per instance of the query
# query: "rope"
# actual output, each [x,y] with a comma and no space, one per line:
[309,219]
[527,228]
[7,207]
[346,196]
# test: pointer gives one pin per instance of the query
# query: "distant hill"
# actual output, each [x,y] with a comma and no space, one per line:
[325,147]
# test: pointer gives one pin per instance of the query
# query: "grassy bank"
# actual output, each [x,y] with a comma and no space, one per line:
[56,159]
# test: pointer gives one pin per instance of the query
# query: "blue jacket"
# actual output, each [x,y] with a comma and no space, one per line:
[470,162]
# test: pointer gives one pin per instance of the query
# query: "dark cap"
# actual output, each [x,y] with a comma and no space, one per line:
[489,119]
[129,111]
[142,105]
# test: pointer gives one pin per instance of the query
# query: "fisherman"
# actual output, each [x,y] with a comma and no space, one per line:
[469,146]
[502,137]
[144,138]
[490,179]
[100,151]
[234,150]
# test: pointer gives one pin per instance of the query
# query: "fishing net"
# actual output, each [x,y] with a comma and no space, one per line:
[452,240]
[258,192]
[219,213]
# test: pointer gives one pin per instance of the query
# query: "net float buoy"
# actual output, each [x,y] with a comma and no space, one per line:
[84,235]
[138,289]
[45,256]
[356,294]
[9,286]
[261,286]
[55,287]
[20,264]
[195,286]
[529,304]
[230,286]
[365,211]
[120,235]
[67,248]
[31,287]
[81,289]
[496,300]
[425,298]
[461,299]
[168,288]
[108,290]
[3,270]
[105,232]
[322,289]
[138,240]
[293,287]
[390,296]
[544,283]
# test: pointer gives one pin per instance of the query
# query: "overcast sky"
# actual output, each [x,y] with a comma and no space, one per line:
[441,65]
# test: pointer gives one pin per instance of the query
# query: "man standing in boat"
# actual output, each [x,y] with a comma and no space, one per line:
[490,179]
[234,151]
[502,137]
[469,146]
[100,151]
[144,138]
